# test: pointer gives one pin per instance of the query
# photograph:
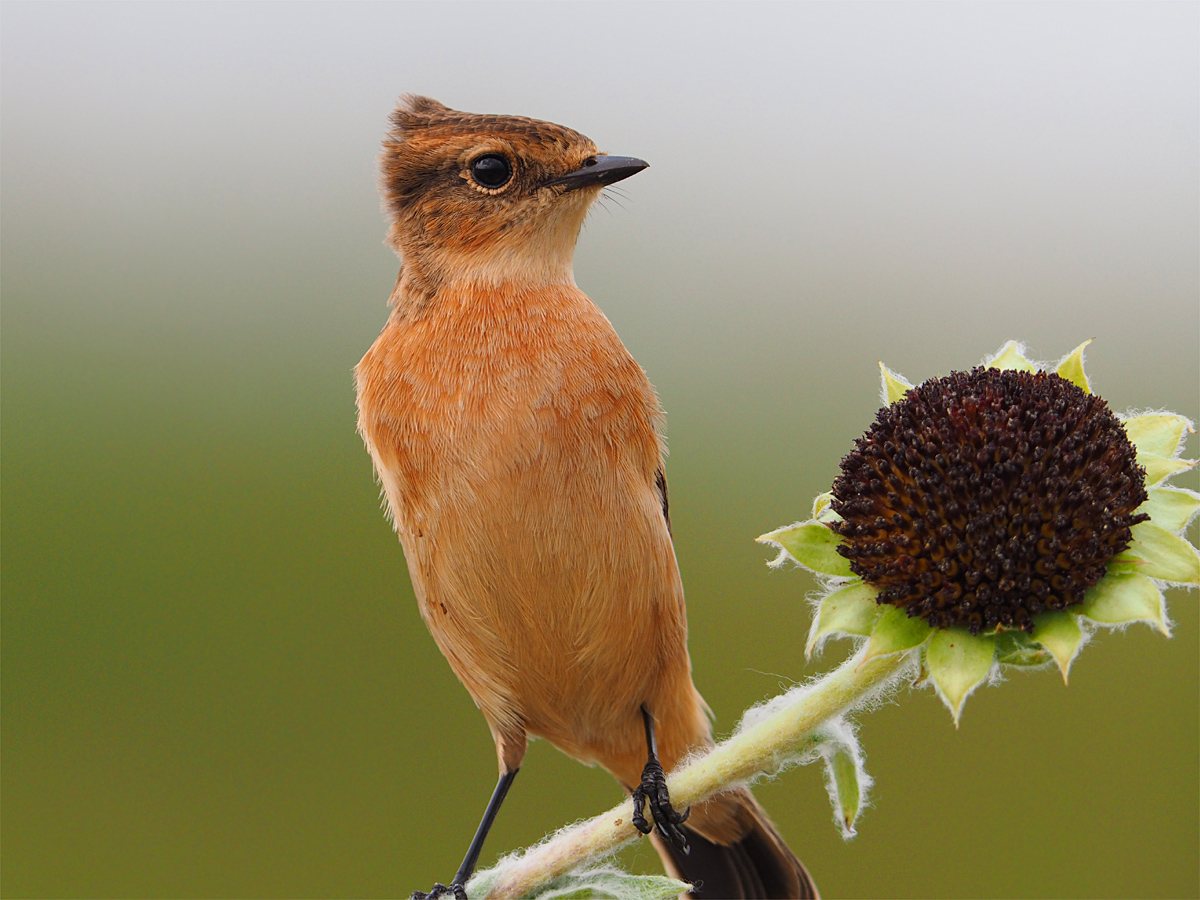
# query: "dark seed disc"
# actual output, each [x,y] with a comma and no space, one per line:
[985,497]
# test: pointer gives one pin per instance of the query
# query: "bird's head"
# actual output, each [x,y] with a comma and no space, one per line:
[490,198]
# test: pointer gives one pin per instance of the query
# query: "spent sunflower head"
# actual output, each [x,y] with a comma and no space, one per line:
[996,518]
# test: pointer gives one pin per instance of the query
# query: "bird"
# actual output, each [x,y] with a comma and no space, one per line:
[520,451]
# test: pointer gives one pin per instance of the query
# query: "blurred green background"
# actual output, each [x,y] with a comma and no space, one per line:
[215,680]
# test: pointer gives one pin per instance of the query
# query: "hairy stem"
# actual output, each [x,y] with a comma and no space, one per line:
[753,751]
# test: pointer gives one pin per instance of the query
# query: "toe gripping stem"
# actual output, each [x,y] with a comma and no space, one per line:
[652,793]
[457,891]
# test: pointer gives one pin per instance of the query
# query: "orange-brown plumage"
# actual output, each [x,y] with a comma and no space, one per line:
[518,445]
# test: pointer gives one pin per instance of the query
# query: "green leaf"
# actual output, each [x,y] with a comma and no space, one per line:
[850,610]
[1010,356]
[958,663]
[843,775]
[894,386]
[1171,507]
[846,780]
[1160,467]
[1157,433]
[895,632]
[1016,648]
[1121,597]
[1071,368]
[1060,634]
[1162,555]
[813,545]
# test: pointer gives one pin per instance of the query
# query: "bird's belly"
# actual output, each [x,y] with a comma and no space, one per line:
[552,592]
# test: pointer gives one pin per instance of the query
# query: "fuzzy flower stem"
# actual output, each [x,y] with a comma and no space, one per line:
[755,750]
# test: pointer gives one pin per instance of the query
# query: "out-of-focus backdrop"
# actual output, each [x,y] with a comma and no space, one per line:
[215,679]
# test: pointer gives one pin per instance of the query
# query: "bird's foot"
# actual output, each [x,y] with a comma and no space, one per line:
[652,792]
[457,891]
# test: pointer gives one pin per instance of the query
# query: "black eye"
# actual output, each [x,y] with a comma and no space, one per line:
[491,170]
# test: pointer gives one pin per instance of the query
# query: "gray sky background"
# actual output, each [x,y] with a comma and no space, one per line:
[869,177]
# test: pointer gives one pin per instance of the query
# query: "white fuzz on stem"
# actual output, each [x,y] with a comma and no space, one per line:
[768,740]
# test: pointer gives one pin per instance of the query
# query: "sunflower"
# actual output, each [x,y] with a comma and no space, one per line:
[997,517]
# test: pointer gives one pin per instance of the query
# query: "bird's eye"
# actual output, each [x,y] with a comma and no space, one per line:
[491,171]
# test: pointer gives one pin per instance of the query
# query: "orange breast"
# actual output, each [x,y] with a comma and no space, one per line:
[483,380]
[517,443]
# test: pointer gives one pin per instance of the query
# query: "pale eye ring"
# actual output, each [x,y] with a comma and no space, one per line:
[491,171]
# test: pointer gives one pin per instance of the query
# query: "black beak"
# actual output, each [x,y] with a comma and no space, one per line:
[599,170]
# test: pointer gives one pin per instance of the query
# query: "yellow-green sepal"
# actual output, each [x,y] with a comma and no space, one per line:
[813,545]
[1059,633]
[1071,368]
[851,610]
[922,674]
[1124,597]
[1160,554]
[1016,648]
[958,663]
[1011,356]
[1170,507]
[893,387]
[1160,467]
[1121,563]
[1157,433]
[823,509]
[895,632]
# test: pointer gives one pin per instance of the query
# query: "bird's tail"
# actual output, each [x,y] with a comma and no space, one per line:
[735,852]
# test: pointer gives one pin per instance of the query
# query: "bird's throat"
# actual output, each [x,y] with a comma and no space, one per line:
[536,250]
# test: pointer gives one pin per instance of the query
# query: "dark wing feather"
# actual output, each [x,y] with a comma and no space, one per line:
[660,484]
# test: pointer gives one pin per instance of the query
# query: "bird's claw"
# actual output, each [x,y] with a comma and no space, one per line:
[652,792]
[440,890]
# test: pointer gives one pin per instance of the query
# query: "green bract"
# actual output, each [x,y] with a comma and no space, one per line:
[957,659]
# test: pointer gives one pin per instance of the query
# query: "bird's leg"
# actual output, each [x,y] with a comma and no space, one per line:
[458,887]
[652,792]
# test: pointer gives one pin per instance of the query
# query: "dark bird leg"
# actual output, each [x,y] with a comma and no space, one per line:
[457,888]
[653,792]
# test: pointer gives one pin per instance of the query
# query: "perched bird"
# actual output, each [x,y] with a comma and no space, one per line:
[519,448]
